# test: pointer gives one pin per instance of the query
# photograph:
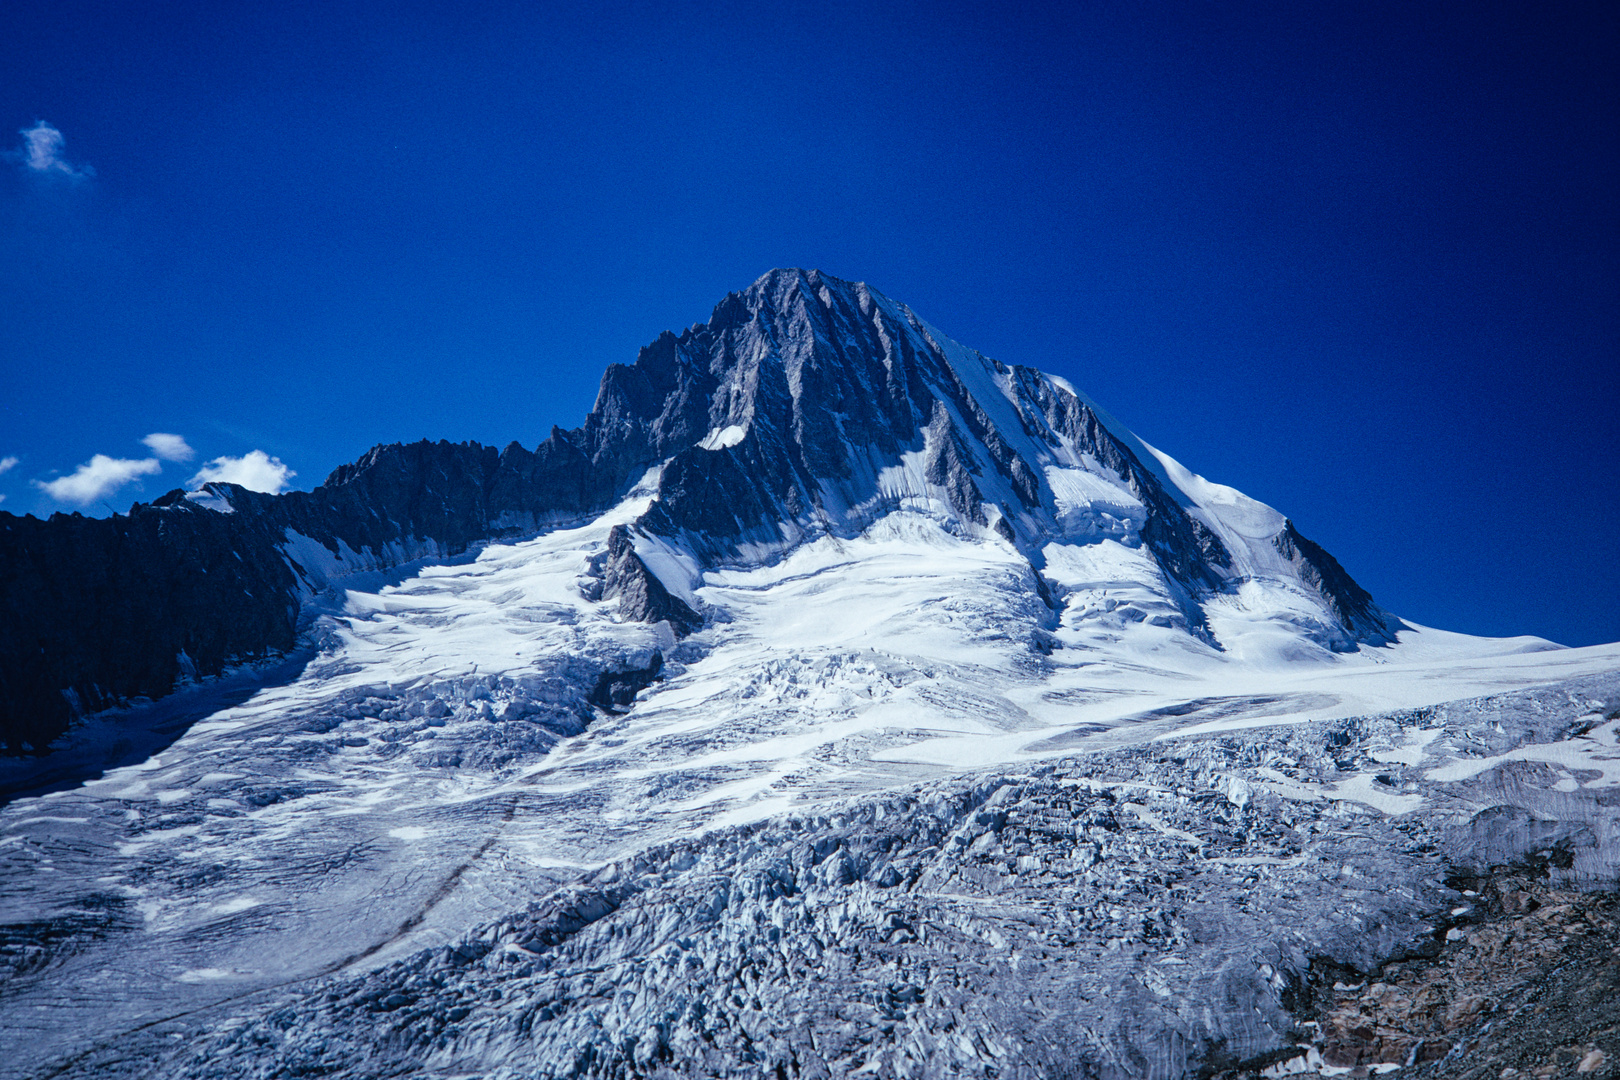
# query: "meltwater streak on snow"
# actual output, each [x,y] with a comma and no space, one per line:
[344,820]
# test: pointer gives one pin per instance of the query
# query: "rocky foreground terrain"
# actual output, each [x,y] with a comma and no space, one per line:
[1212,905]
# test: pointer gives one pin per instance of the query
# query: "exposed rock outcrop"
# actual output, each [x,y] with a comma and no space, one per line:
[1350,602]
[642,596]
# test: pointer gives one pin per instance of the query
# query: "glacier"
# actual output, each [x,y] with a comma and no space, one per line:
[872,708]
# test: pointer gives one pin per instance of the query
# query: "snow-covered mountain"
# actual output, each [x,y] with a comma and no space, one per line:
[809,407]
[805,407]
[834,701]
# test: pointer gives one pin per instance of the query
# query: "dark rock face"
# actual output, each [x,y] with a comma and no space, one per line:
[1353,604]
[616,690]
[642,597]
[93,612]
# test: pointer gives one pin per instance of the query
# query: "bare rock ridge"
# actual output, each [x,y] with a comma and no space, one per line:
[642,596]
[806,405]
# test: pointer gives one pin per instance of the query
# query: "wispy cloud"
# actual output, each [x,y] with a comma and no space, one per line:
[167,447]
[7,464]
[97,478]
[254,470]
[42,154]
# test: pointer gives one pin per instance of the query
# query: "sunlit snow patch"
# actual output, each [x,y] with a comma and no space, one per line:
[720,438]
[201,975]
[210,499]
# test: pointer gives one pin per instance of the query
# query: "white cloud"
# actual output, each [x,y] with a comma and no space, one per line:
[167,447]
[42,153]
[7,464]
[254,470]
[96,478]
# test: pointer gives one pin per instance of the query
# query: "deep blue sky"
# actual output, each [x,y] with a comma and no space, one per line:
[1361,261]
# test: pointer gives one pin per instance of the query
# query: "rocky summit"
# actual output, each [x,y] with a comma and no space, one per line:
[834,701]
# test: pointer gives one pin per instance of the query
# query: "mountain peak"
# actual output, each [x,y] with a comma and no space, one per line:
[809,405]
